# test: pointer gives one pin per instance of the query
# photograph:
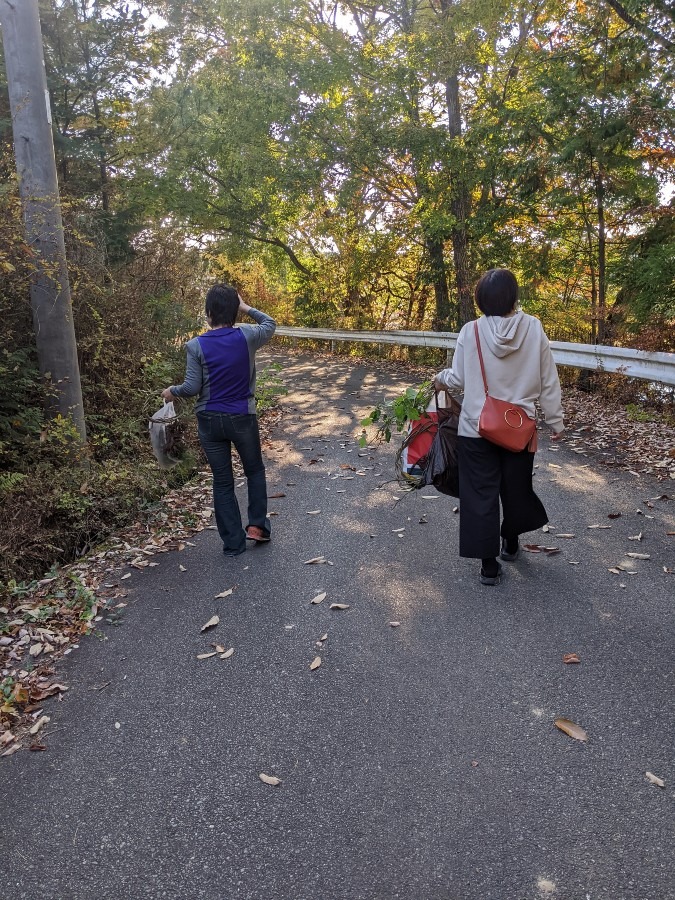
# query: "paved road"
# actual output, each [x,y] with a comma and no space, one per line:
[417,762]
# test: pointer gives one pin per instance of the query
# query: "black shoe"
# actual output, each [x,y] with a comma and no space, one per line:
[491,578]
[507,554]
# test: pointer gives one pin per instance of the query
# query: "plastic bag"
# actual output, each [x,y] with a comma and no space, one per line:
[441,467]
[163,435]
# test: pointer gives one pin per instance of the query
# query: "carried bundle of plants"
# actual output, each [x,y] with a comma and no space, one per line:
[427,455]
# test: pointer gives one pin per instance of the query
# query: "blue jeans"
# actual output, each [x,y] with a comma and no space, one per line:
[217,433]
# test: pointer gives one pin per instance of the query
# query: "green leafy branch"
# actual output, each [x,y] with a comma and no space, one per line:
[393,415]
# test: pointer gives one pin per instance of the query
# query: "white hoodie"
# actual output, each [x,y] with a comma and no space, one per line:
[519,367]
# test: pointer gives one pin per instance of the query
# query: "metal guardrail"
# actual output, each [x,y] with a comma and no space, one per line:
[649,366]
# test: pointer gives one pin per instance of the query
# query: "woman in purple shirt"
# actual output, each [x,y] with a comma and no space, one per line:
[221,374]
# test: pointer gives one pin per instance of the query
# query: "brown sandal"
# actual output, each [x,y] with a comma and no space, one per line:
[253,533]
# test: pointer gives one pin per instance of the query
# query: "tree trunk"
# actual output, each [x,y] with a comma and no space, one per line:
[36,167]
[460,205]
[461,202]
[444,318]
[602,257]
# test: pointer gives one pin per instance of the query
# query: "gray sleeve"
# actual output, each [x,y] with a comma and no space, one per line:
[550,396]
[453,378]
[258,335]
[194,375]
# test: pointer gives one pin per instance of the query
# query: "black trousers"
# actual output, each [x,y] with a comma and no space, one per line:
[488,473]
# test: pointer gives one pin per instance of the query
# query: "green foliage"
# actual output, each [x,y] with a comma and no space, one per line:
[394,415]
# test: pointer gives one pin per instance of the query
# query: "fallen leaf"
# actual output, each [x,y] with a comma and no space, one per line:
[615,570]
[565,535]
[599,526]
[213,621]
[36,649]
[616,515]
[426,497]
[394,624]
[572,729]
[654,779]
[207,655]
[639,555]
[570,658]
[218,648]
[276,496]
[182,568]
[39,724]
[124,577]
[347,467]
[316,560]
[227,654]
[324,637]
[546,529]
[339,606]
[554,466]
[13,749]
[319,598]
[315,663]
[635,537]
[270,779]
[313,512]
[397,530]
[224,594]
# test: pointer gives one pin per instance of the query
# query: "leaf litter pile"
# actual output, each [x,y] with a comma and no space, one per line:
[599,427]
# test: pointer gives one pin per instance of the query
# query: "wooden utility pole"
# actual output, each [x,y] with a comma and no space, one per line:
[34,150]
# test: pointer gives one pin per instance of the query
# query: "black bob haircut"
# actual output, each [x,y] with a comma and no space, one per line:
[497,292]
[222,305]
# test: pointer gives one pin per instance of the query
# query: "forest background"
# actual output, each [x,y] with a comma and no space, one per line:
[352,165]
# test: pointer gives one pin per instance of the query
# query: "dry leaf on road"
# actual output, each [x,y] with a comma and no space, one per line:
[227,654]
[270,779]
[639,555]
[570,658]
[275,496]
[316,560]
[315,663]
[223,594]
[319,598]
[339,606]
[313,512]
[654,779]
[207,655]
[394,624]
[39,724]
[572,729]
[213,621]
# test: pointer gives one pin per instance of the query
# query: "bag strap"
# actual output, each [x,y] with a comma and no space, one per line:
[480,356]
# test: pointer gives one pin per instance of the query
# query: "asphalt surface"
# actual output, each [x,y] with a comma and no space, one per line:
[417,762]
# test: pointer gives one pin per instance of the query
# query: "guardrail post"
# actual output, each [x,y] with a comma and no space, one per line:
[448,357]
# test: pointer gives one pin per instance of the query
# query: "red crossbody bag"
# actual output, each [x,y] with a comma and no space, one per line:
[503,423]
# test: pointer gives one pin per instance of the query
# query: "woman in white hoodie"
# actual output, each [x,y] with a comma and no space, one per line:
[519,368]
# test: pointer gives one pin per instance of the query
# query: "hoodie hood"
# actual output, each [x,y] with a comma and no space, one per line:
[503,335]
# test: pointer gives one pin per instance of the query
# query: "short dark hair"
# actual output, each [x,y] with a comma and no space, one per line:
[222,304]
[497,292]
